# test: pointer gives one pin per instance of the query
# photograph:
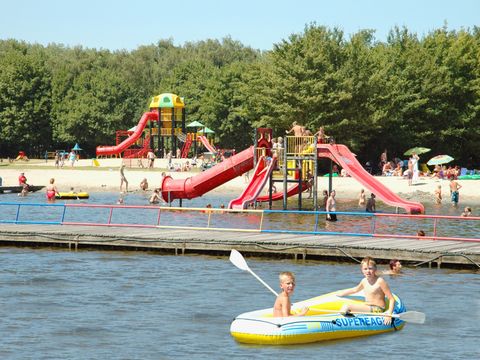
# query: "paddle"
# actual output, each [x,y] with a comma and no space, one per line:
[415,317]
[237,259]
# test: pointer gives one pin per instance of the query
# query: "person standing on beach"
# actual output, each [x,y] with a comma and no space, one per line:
[454,187]
[123,179]
[438,194]
[414,159]
[331,207]
[362,198]
[151,159]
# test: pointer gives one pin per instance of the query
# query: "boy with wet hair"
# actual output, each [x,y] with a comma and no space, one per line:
[375,290]
[283,304]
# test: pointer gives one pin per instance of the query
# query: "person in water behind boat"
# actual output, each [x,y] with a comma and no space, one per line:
[375,289]
[51,190]
[283,304]
[395,267]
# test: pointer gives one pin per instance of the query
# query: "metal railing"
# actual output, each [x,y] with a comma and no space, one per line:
[380,225]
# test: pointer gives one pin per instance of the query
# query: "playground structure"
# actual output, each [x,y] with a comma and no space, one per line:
[162,129]
[295,165]
[290,165]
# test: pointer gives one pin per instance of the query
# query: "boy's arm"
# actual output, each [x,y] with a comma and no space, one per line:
[391,301]
[350,291]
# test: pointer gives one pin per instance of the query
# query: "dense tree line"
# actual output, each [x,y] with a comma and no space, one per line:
[370,95]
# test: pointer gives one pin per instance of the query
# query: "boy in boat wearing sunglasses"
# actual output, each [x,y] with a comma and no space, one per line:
[283,305]
[375,290]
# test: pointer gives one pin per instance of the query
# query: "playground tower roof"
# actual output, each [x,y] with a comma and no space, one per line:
[167,100]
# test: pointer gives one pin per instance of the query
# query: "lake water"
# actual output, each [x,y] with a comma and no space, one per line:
[133,305]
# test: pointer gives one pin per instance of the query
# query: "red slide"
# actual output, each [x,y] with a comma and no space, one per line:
[198,185]
[257,182]
[125,144]
[207,144]
[292,190]
[346,159]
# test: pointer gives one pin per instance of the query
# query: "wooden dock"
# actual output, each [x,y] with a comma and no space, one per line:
[300,247]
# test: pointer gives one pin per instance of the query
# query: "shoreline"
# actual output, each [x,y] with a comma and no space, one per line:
[107,178]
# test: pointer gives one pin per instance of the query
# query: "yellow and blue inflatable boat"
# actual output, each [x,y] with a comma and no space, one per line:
[322,322]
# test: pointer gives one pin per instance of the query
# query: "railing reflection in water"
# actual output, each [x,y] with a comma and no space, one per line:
[436,227]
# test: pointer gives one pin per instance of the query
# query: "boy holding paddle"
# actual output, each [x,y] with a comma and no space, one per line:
[375,290]
[283,305]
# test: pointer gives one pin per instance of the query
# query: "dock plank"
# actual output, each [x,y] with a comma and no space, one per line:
[191,240]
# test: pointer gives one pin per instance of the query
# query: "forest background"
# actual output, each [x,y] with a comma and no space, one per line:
[369,95]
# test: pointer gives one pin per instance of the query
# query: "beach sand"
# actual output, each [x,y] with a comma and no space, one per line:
[107,178]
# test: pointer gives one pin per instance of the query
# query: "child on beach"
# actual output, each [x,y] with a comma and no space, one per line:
[362,198]
[375,289]
[283,304]
[438,194]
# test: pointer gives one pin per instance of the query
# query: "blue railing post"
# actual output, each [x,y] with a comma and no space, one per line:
[64,211]
[18,213]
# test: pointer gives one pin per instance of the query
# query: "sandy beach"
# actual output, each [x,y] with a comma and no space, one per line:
[106,177]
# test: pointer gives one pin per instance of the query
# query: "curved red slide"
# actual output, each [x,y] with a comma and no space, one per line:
[257,182]
[125,144]
[207,144]
[198,185]
[346,159]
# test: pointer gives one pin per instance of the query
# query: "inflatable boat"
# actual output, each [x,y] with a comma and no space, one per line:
[322,322]
[72,195]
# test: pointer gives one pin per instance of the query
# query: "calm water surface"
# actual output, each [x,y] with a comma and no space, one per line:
[132,305]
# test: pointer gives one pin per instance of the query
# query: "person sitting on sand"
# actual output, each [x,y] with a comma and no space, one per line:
[283,304]
[375,290]
[144,184]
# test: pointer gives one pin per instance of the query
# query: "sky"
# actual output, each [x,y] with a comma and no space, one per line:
[260,24]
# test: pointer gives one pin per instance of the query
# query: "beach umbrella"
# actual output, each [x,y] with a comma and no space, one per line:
[440,159]
[206,130]
[417,150]
[77,148]
[195,124]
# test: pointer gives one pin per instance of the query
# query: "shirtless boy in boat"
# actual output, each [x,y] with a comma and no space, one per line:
[283,305]
[375,289]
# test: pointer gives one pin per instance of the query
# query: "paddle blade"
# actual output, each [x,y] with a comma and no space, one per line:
[416,317]
[237,259]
